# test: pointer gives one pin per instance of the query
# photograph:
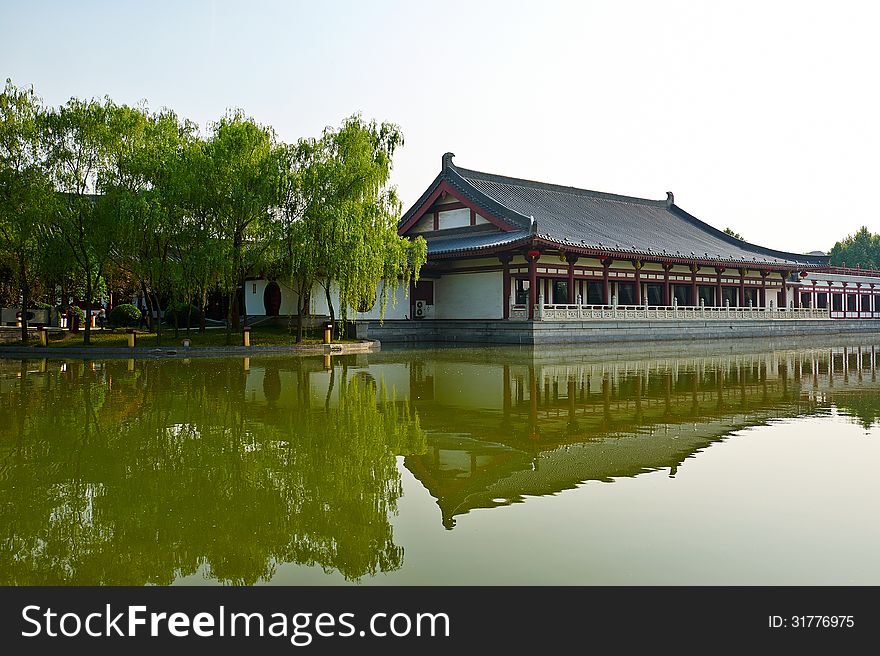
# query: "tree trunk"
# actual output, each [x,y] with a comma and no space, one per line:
[88,328]
[330,303]
[149,305]
[155,298]
[230,299]
[236,311]
[243,310]
[204,299]
[25,298]
[300,309]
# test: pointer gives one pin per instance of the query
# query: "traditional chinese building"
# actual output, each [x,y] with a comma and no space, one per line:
[501,247]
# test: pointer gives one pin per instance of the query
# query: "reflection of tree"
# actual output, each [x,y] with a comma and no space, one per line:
[118,477]
[863,407]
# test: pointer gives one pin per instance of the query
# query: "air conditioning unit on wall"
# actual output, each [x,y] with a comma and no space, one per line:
[421,310]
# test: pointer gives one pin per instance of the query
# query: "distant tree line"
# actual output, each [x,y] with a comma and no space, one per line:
[861,250]
[97,196]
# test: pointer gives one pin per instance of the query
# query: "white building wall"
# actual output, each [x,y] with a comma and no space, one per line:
[397,306]
[253,298]
[469,296]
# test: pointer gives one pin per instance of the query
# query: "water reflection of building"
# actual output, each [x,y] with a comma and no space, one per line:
[500,433]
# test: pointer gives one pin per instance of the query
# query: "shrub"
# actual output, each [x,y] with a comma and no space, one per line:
[78,311]
[124,316]
[182,311]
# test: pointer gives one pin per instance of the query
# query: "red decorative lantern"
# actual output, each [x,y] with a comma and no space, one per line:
[804,274]
[534,254]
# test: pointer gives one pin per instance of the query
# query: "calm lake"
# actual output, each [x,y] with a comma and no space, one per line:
[740,463]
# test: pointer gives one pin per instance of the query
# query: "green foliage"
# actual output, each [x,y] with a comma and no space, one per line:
[341,216]
[25,190]
[79,312]
[183,315]
[97,195]
[734,234]
[238,177]
[859,250]
[125,315]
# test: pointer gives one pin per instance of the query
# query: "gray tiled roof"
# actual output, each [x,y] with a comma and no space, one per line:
[475,242]
[608,222]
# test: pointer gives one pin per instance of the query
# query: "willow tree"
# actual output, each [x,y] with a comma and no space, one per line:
[239,171]
[344,234]
[142,191]
[79,142]
[25,191]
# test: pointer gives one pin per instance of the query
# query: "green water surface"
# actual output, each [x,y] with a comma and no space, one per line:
[740,463]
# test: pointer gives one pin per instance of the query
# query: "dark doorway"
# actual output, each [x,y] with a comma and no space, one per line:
[272,299]
[682,294]
[560,292]
[728,296]
[706,295]
[594,293]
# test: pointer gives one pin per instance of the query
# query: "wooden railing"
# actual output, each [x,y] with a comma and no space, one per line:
[850,271]
[554,312]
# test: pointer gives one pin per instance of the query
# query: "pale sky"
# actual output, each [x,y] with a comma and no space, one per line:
[759,116]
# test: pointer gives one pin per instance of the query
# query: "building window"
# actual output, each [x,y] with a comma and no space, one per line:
[805,299]
[850,302]
[837,302]
[522,292]
[728,296]
[706,295]
[822,300]
[626,293]
[654,294]
[866,302]
[751,297]
[682,294]
[594,293]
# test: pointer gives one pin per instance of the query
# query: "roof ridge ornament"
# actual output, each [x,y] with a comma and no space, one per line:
[670,199]
[533,225]
[447,160]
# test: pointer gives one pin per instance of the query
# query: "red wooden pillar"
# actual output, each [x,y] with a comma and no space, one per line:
[694,269]
[719,302]
[858,299]
[505,302]
[742,288]
[763,299]
[637,298]
[844,304]
[606,288]
[532,257]
[667,300]
[571,259]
